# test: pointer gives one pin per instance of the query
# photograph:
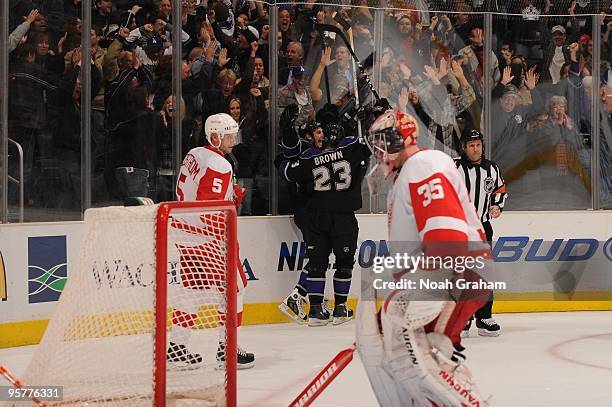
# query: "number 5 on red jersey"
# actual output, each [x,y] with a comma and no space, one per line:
[213,185]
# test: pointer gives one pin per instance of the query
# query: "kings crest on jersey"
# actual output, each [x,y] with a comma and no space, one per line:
[334,172]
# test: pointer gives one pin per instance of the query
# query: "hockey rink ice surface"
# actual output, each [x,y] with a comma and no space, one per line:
[544,359]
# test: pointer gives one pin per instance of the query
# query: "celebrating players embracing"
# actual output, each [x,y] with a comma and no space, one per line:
[335,170]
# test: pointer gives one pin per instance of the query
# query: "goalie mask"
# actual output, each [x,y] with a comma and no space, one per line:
[390,133]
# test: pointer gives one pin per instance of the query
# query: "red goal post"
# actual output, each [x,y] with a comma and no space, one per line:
[161,304]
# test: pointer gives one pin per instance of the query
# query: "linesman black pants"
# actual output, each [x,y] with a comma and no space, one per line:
[485,311]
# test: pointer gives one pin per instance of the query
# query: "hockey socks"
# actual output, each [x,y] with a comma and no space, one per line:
[302,285]
[316,286]
[342,284]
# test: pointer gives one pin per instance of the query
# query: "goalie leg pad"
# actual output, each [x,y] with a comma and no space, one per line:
[372,354]
[411,314]
[424,371]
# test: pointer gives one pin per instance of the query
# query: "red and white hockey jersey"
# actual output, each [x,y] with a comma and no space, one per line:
[205,175]
[430,203]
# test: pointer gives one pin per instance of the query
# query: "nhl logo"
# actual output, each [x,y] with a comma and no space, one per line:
[488,185]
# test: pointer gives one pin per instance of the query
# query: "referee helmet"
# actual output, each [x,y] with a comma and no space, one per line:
[472,135]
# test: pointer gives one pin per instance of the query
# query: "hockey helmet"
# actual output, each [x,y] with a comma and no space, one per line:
[472,135]
[223,125]
[308,128]
[391,132]
[334,132]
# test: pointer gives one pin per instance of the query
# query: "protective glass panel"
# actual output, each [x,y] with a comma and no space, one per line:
[541,108]
[44,112]
[432,67]
[132,109]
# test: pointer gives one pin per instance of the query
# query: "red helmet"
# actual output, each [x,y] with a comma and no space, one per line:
[392,131]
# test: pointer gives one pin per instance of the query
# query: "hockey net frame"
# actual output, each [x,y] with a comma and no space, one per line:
[160,222]
[161,304]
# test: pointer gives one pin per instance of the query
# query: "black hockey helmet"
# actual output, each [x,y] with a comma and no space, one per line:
[471,135]
[308,128]
[333,133]
[329,113]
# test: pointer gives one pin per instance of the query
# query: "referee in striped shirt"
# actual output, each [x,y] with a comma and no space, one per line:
[488,193]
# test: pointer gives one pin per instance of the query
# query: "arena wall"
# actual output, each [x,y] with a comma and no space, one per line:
[36,260]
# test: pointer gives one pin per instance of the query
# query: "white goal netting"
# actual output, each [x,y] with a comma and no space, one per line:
[100,342]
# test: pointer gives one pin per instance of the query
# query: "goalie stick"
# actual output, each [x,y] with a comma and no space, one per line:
[324,378]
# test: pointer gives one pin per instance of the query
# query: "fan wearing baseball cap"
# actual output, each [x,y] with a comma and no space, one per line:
[555,45]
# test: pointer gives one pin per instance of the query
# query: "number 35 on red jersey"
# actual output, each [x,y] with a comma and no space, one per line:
[429,202]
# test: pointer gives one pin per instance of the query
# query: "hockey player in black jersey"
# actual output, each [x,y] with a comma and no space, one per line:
[335,171]
[293,143]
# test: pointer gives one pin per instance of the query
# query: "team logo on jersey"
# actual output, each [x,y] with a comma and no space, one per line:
[47,268]
[489,184]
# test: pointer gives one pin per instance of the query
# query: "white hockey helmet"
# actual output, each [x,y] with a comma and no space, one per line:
[223,125]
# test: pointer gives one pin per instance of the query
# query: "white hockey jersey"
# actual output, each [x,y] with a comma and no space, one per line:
[430,203]
[205,175]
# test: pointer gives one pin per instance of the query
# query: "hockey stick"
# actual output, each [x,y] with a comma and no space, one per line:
[324,378]
[340,33]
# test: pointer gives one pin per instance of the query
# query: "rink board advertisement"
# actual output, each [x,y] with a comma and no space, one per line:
[549,257]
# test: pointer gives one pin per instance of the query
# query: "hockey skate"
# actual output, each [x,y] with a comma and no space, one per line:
[245,360]
[342,314]
[179,358]
[326,309]
[293,307]
[317,316]
[487,327]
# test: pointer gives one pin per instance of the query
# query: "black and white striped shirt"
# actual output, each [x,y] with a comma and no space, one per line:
[485,185]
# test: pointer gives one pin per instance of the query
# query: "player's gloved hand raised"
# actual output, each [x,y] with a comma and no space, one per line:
[288,117]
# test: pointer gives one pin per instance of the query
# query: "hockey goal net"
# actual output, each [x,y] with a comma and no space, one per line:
[148,310]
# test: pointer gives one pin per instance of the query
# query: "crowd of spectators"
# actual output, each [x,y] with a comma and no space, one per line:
[432,65]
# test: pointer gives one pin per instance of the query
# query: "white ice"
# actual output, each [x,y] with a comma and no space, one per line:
[544,359]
